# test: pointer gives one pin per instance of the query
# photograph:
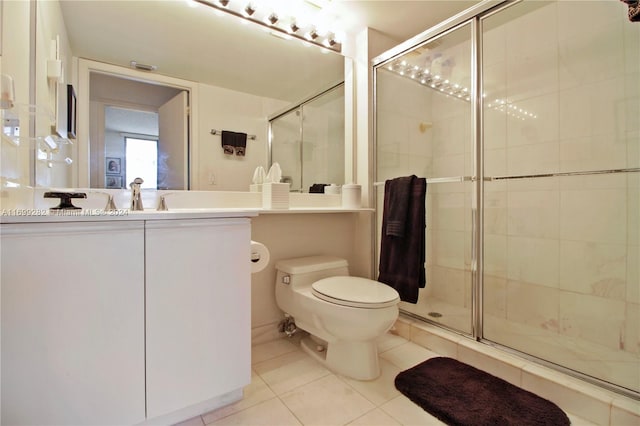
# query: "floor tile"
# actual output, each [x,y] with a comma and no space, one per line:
[408,413]
[407,355]
[326,401]
[256,392]
[289,371]
[273,349]
[269,413]
[376,417]
[380,390]
[390,341]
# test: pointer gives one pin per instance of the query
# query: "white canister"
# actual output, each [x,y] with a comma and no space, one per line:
[351,196]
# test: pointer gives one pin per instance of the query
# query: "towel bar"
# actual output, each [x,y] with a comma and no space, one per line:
[219,132]
[439,180]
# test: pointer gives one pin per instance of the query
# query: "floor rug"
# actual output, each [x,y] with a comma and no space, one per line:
[459,394]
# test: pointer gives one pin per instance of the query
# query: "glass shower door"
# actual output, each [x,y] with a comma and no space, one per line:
[561,190]
[424,127]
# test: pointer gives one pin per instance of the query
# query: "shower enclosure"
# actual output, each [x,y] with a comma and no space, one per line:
[525,119]
[307,140]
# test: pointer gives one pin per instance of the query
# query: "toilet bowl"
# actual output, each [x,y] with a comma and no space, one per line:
[344,315]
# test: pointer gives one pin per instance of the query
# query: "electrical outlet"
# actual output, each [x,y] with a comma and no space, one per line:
[212,179]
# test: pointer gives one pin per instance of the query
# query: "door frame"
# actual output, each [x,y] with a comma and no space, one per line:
[85,67]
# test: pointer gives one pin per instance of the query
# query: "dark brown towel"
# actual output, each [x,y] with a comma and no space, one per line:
[398,190]
[234,141]
[402,258]
[634,10]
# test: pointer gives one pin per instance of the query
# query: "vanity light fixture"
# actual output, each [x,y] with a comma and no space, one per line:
[272,19]
[249,10]
[294,28]
[279,22]
[330,40]
[312,35]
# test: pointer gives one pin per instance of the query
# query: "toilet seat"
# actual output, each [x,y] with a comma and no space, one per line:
[355,292]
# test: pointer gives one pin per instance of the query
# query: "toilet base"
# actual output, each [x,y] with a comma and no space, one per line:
[357,360]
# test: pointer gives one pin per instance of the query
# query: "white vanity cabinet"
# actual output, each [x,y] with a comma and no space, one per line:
[123,322]
[72,323]
[198,311]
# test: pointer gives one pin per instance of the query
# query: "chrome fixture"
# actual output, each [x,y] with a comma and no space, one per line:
[288,326]
[111,205]
[162,204]
[286,25]
[136,195]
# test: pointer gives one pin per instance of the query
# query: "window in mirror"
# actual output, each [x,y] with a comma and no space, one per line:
[141,160]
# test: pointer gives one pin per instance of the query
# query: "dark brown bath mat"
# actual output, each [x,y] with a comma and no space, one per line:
[459,394]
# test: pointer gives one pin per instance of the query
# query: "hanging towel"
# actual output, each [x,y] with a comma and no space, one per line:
[402,257]
[634,10]
[234,141]
[399,193]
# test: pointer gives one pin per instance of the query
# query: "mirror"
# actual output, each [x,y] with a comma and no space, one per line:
[234,77]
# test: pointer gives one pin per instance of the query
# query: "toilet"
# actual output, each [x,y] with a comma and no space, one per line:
[344,315]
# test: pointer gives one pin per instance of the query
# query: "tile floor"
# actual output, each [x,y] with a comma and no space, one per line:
[290,388]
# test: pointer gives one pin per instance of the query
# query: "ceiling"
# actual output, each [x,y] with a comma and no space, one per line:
[200,44]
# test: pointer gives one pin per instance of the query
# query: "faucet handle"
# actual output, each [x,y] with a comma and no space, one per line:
[162,205]
[111,205]
[65,199]
[136,181]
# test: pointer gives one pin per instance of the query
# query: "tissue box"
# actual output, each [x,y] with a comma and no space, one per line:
[255,187]
[275,195]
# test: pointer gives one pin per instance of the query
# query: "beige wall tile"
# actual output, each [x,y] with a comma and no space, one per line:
[592,318]
[592,268]
[532,304]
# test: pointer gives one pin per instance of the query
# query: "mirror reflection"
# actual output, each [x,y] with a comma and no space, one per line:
[308,142]
[137,131]
[224,75]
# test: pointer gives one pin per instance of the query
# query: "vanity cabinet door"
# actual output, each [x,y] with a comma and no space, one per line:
[73,323]
[198,308]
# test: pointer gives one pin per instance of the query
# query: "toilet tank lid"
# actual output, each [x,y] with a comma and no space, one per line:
[303,265]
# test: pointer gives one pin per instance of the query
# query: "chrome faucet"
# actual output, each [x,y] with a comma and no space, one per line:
[136,195]
[162,205]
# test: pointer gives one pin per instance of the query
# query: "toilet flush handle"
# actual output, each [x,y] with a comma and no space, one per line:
[286,279]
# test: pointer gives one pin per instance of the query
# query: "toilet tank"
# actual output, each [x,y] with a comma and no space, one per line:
[304,271]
